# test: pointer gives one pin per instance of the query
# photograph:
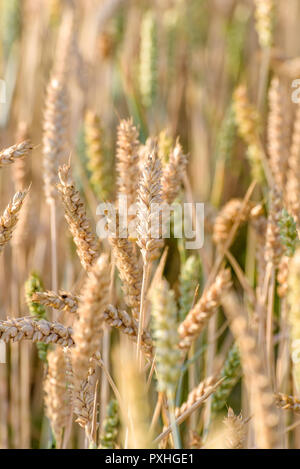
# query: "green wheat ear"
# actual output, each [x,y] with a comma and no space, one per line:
[110,426]
[148,59]
[98,160]
[190,278]
[288,233]
[165,335]
[34,284]
[231,372]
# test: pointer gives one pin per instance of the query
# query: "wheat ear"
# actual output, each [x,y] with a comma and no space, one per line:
[205,388]
[56,393]
[288,402]
[278,162]
[98,164]
[265,414]
[235,430]
[173,173]
[15,153]
[62,301]
[54,137]
[293,178]
[75,214]
[127,160]
[200,314]
[128,266]
[35,330]
[9,218]
[226,218]
[88,326]
[148,228]
[127,325]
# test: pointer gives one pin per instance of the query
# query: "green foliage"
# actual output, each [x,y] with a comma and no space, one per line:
[165,336]
[148,59]
[110,426]
[231,373]
[190,277]
[32,285]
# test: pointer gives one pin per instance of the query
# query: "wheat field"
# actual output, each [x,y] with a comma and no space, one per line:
[173,321]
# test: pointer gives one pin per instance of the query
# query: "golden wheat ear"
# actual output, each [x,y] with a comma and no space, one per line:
[86,242]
